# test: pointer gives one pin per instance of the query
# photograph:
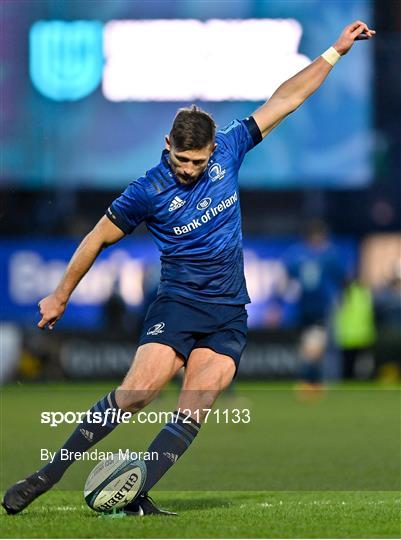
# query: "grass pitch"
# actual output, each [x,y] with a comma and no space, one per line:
[218,515]
[325,469]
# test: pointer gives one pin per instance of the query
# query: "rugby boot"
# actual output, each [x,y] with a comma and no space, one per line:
[21,494]
[144,505]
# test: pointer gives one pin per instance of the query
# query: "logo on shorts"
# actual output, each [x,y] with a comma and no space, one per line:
[156,329]
[215,172]
[204,203]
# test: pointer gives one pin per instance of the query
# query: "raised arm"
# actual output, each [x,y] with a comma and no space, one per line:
[102,235]
[293,92]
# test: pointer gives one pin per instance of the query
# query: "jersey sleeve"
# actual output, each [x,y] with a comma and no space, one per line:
[131,208]
[239,137]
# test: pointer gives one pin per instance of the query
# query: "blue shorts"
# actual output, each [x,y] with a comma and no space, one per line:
[186,324]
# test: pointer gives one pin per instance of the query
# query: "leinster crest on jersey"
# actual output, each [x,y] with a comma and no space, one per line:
[216,172]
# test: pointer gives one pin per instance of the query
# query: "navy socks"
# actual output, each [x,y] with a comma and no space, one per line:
[172,441]
[87,434]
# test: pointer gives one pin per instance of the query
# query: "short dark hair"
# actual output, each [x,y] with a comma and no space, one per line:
[192,129]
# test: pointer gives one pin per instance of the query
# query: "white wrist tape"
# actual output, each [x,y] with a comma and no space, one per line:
[331,56]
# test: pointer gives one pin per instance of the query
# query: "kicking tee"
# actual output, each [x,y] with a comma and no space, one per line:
[196,227]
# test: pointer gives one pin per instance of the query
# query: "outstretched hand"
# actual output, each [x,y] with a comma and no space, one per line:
[353,32]
[51,309]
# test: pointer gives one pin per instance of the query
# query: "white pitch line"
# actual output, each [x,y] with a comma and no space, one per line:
[321,503]
[63,508]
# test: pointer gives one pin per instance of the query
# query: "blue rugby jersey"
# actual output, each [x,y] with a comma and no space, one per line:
[196,227]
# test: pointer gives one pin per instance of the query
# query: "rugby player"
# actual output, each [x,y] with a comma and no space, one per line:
[190,204]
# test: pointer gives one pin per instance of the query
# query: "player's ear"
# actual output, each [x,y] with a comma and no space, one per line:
[167,143]
[214,147]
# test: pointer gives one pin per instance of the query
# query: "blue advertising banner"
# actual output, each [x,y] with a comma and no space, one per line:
[129,270]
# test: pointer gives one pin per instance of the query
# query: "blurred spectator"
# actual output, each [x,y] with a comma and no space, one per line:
[316,266]
[115,314]
[388,302]
[11,345]
[151,280]
[355,330]
[312,349]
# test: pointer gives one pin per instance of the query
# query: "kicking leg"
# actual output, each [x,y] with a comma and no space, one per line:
[154,365]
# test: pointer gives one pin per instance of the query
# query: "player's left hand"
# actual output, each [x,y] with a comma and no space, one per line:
[356,31]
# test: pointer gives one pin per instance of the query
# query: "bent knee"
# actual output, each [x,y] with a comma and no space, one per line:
[132,401]
[209,372]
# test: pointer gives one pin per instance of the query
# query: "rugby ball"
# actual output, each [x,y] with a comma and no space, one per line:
[114,483]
